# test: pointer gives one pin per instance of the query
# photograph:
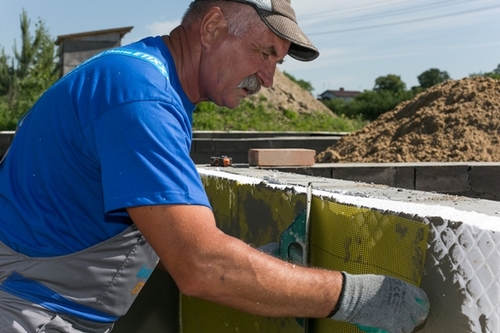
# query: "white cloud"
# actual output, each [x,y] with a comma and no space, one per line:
[162,28]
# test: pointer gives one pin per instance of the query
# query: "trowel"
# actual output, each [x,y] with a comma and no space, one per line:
[294,243]
[294,247]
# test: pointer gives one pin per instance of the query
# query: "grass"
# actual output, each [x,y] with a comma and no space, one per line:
[258,116]
[249,116]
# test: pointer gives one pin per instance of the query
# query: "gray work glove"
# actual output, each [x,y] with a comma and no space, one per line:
[377,303]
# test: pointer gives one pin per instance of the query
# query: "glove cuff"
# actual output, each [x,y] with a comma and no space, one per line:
[340,299]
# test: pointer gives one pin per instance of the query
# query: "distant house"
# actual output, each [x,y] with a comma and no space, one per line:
[76,48]
[345,95]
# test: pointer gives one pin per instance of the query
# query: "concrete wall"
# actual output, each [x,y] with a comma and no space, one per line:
[470,179]
[237,144]
[461,273]
[5,140]
[475,180]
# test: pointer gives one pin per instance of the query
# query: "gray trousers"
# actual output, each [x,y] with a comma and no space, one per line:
[103,279]
[19,316]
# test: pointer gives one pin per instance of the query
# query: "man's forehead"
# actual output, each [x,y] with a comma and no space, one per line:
[273,44]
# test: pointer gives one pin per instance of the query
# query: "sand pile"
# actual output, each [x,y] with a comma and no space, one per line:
[288,95]
[456,121]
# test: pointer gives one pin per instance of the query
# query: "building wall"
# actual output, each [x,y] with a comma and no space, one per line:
[76,50]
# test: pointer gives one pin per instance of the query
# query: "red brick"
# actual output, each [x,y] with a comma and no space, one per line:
[281,157]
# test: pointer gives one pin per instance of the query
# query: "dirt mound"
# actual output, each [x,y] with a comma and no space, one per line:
[456,121]
[288,95]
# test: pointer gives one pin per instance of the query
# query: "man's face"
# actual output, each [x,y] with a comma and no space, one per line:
[237,66]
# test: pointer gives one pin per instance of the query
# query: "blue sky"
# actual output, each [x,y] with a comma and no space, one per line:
[359,40]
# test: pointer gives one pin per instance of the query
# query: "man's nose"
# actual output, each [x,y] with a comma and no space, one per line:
[266,76]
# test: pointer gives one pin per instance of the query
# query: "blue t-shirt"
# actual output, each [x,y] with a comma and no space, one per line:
[113,133]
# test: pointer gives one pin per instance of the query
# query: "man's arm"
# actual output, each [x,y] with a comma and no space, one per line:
[206,263]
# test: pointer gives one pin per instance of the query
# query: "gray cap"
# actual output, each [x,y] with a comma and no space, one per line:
[279,16]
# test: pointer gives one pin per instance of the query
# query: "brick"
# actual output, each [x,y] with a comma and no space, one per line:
[281,157]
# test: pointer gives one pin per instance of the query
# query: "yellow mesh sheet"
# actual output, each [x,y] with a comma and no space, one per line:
[342,237]
[359,240]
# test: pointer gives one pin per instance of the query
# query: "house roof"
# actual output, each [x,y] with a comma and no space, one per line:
[342,93]
[121,31]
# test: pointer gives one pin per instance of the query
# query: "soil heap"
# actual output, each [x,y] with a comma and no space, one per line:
[456,121]
[288,95]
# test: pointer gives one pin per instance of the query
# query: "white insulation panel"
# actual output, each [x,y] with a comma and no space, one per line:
[462,268]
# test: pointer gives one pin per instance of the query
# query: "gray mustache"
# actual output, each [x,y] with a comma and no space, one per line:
[251,84]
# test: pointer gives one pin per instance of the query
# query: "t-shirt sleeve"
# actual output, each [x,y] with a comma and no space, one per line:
[143,149]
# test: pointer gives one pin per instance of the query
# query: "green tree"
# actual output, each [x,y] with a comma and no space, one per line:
[303,84]
[497,70]
[431,77]
[388,92]
[390,83]
[28,74]
[337,106]
[5,73]
[371,104]
[494,74]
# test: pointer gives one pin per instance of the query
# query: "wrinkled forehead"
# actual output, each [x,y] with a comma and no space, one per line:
[268,41]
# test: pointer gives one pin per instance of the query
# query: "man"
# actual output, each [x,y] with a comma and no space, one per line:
[98,184]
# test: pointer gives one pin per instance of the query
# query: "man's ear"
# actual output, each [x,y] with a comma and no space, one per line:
[213,25]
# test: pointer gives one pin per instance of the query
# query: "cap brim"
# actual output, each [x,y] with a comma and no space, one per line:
[301,48]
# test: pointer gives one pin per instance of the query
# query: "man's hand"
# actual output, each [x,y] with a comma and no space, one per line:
[377,303]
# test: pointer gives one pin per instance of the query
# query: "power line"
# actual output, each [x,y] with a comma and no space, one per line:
[351,9]
[399,11]
[376,6]
[405,22]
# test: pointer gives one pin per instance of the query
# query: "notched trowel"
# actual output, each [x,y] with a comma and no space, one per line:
[294,243]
